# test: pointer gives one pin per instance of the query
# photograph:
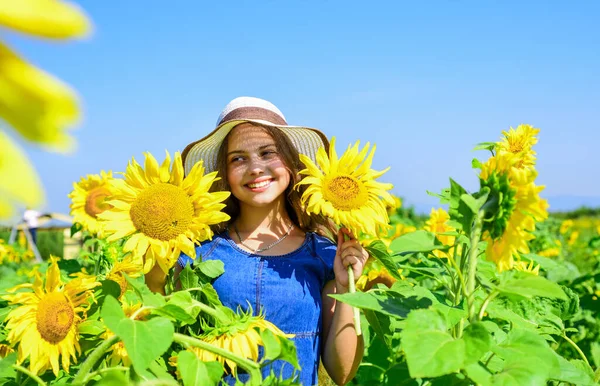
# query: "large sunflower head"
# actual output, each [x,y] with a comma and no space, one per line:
[241,337]
[161,212]
[44,325]
[89,198]
[345,189]
[514,206]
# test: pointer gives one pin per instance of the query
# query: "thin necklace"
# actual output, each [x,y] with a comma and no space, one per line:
[268,246]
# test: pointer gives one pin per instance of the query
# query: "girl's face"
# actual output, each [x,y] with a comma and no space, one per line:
[256,172]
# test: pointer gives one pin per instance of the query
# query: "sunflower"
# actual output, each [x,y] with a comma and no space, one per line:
[128,267]
[573,238]
[518,207]
[45,324]
[242,338]
[345,189]
[163,213]
[8,254]
[549,252]
[438,224]
[37,105]
[519,142]
[565,226]
[523,266]
[89,198]
[374,273]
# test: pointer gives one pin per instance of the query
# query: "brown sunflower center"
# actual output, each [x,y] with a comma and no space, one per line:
[54,317]
[162,211]
[95,201]
[345,192]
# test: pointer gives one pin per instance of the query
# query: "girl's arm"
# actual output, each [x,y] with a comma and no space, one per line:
[342,348]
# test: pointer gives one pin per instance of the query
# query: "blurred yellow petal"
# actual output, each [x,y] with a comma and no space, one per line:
[37,105]
[45,18]
[20,183]
[6,209]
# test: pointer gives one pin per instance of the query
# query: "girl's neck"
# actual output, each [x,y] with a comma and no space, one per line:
[274,219]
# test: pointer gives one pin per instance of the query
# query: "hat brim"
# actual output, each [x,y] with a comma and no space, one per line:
[306,140]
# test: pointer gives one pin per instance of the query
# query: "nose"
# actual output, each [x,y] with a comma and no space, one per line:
[257,166]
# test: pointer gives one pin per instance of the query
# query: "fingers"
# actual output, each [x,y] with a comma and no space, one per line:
[351,260]
[340,238]
[348,232]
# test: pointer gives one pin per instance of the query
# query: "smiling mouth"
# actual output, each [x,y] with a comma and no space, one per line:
[258,185]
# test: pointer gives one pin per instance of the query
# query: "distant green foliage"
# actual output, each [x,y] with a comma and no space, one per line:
[584,211]
[49,242]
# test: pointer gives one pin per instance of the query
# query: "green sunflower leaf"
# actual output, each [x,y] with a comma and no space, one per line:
[195,372]
[430,350]
[378,250]
[148,297]
[112,313]
[418,241]
[145,341]
[187,278]
[528,360]
[278,347]
[528,285]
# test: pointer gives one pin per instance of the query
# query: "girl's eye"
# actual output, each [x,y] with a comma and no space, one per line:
[236,159]
[268,153]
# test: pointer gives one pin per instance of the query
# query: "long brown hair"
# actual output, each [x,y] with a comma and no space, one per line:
[293,193]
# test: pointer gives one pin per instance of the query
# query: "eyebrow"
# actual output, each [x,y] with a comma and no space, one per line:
[259,149]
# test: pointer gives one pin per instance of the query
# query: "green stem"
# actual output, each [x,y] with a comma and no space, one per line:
[472,270]
[486,302]
[139,311]
[251,367]
[355,311]
[89,363]
[105,370]
[29,374]
[461,278]
[581,354]
[167,297]
[203,307]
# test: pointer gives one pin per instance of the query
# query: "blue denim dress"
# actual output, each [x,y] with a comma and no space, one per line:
[286,288]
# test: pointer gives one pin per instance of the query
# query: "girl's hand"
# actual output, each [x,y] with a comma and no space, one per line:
[349,252]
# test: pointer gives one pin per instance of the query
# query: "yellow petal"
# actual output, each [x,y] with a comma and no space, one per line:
[37,105]
[164,172]
[46,18]
[20,183]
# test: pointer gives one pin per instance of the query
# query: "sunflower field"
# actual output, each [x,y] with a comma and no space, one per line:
[490,291]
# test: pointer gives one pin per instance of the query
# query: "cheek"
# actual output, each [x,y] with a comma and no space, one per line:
[233,175]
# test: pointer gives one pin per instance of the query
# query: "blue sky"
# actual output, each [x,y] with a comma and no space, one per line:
[425,81]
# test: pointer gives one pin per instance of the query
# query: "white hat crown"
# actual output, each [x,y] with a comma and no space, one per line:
[245,101]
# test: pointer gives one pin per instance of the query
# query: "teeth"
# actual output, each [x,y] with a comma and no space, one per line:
[259,184]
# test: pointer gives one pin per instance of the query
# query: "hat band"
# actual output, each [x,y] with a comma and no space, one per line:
[253,113]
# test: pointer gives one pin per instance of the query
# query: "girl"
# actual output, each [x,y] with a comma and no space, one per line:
[276,257]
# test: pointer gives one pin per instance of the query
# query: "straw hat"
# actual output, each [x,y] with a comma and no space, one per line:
[254,110]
